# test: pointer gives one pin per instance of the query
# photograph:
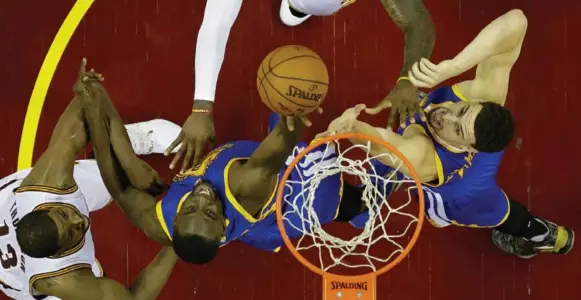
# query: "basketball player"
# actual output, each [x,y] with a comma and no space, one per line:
[228,197]
[46,246]
[410,16]
[457,151]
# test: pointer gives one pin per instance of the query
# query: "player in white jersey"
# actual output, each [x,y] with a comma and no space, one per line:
[410,16]
[46,247]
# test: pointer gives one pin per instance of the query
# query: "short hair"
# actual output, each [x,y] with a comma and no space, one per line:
[194,248]
[37,234]
[493,128]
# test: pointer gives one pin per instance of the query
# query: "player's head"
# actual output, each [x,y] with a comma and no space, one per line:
[482,127]
[51,231]
[199,225]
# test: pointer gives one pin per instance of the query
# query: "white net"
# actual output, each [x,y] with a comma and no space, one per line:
[341,251]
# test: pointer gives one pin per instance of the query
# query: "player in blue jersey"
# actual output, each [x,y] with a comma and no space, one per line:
[410,16]
[229,196]
[458,149]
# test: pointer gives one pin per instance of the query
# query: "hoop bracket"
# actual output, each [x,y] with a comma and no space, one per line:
[361,287]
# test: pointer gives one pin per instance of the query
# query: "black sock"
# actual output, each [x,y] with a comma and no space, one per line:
[537,230]
[522,224]
[351,204]
[297,13]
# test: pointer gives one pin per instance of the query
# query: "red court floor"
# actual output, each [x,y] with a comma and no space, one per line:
[145,49]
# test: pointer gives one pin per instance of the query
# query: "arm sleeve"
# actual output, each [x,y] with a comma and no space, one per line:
[219,17]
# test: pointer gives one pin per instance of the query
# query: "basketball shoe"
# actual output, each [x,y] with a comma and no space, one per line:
[290,16]
[559,240]
[152,136]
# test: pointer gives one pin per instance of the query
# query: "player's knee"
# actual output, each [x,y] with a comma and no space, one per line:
[195,249]
[37,234]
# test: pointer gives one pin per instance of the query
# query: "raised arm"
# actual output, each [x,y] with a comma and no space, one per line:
[119,167]
[413,143]
[83,285]
[198,129]
[494,51]
[256,179]
[414,20]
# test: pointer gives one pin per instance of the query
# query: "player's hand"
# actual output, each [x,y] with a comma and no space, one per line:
[197,133]
[86,80]
[344,123]
[290,120]
[143,177]
[404,103]
[425,74]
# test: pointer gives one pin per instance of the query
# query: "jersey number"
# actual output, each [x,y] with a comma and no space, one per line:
[8,259]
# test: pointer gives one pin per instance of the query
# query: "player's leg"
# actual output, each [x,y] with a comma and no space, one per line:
[524,235]
[352,203]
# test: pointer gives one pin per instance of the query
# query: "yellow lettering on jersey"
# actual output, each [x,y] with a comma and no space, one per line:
[201,169]
[468,163]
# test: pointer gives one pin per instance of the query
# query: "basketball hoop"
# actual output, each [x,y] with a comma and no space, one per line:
[341,286]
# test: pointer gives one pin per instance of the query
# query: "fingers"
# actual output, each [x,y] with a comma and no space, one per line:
[429,65]
[198,151]
[359,108]
[421,112]
[421,76]
[319,110]
[290,123]
[392,118]
[385,103]
[174,144]
[306,121]
[177,157]
[190,150]
[416,82]
[82,69]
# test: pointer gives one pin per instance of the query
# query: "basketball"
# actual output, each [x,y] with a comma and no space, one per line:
[292,80]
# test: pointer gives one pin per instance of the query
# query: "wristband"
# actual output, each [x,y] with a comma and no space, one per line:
[403,78]
[201,110]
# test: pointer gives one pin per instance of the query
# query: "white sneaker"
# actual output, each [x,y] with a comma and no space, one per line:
[152,136]
[287,17]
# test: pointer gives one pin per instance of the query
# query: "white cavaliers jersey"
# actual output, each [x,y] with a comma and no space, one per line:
[19,272]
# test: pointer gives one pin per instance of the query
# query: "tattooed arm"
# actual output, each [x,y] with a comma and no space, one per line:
[414,20]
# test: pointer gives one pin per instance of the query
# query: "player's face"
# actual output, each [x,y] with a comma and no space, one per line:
[202,212]
[454,123]
[71,226]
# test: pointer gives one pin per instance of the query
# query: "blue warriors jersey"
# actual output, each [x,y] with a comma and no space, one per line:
[466,192]
[260,231]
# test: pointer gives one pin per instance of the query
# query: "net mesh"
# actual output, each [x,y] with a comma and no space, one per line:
[337,250]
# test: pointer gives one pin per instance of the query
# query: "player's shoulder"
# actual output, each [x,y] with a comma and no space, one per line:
[445,94]
[72,284]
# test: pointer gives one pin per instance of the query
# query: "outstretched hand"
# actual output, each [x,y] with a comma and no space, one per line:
[84,80]
[426,74]
[344,123]
[290,120]
[403,102]
[197,133]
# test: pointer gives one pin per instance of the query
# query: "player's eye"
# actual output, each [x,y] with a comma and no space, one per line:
[211,214]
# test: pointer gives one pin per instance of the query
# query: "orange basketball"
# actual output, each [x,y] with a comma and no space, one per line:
[292,80]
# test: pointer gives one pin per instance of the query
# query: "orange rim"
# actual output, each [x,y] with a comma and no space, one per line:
[343,136]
